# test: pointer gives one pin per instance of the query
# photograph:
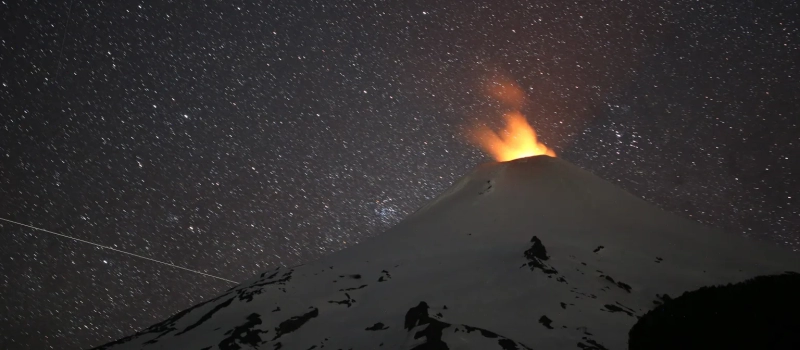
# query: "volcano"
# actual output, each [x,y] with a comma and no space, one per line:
[533,253]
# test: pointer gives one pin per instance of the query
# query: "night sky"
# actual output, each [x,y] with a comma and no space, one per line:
[236,136]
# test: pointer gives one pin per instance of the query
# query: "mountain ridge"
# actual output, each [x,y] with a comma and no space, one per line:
[531,253]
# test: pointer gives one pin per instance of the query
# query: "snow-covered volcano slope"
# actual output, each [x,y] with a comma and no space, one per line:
[529,254]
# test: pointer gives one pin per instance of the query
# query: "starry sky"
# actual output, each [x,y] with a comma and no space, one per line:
[232,137]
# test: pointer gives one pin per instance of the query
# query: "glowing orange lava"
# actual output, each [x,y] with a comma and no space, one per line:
[517,140]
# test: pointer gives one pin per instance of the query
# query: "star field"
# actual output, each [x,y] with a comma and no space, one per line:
[233,137]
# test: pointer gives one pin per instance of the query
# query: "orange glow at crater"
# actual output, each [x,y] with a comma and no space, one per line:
[517,140]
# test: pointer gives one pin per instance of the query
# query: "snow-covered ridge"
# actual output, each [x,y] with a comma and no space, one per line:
[529,254]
